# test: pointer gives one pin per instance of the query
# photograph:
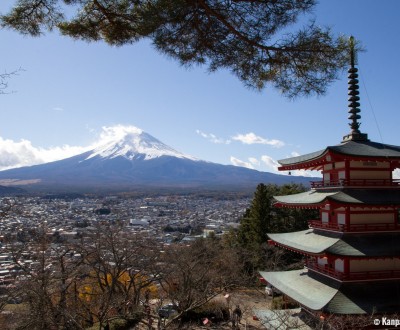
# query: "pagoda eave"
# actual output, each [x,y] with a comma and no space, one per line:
[306,242]
[299,251]
[321,293]
[298,206]
[350,197]
[302,288]
[348,151]
[307,167]
[319,242]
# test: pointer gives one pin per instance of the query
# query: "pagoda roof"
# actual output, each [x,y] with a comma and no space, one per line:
[356,149]
[303,288]
[346,196]
[320,293]
[313,241]
[367,245]
[305,240]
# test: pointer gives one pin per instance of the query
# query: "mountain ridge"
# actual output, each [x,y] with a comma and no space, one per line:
[138,160]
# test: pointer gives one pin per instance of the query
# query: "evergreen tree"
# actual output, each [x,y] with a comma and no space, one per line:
[261,218]
[252,39]
[256,223]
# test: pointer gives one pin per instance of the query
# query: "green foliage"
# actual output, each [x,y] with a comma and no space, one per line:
[252,39]
[262,218]
[256,223]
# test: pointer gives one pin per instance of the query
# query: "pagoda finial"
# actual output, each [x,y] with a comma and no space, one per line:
[354,99]
[352,51]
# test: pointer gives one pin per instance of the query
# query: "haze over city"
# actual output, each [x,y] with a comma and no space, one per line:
[70,96]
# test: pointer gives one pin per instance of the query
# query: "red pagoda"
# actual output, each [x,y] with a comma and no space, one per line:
[353,250]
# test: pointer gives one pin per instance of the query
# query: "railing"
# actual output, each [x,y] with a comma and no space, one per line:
[355,183]
[313,265]
[371,227]
[353,276]
[367,227]
[325,225]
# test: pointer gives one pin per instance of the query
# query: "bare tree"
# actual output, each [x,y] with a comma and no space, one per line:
[196,274]
[44,283]
[120,270]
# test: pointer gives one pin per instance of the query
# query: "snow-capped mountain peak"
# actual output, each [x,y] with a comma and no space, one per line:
[133,143]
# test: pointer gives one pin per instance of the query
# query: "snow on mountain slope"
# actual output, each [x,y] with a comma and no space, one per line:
[129,159]
[134,143]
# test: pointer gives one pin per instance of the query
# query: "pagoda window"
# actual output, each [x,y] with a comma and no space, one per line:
[339,265]
[341,218]
[322,261]
[325,216]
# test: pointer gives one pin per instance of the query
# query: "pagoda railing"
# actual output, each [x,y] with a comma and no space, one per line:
[367,227]
[325,225]
[355,183]
[352,276]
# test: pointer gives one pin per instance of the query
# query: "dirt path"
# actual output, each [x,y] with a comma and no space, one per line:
[248,300]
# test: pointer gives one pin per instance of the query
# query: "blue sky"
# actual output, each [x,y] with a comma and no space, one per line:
[70,91]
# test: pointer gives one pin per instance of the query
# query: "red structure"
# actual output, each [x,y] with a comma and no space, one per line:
[353,250]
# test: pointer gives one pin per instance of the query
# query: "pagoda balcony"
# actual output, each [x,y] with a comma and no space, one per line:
[355,183]
[368,227]
[352,276]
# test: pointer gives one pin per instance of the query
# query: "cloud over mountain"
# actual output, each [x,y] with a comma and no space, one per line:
[128,158]
[22,153]
[14,154]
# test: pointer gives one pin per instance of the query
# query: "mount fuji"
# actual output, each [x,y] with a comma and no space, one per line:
[133,161]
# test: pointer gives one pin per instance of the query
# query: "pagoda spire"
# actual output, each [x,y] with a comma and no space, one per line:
[354,99]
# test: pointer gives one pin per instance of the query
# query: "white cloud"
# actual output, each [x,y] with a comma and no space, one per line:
[251,138]
[116,132]
[271,164]
[241,163]
[254,161]
[212,137]
[58,109]
[23,153]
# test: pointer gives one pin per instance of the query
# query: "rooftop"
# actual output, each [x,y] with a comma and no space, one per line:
[320,293]
[318,242]
[343,196]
